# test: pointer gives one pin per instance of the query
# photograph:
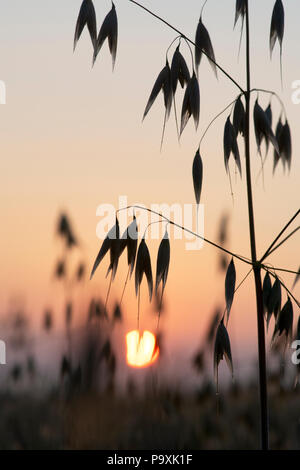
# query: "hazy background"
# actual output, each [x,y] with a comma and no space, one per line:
[71,138]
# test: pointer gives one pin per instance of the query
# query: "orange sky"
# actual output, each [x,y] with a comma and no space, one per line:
[71,138]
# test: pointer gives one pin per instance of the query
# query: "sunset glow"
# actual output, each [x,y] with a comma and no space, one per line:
[83,145]
[142,349]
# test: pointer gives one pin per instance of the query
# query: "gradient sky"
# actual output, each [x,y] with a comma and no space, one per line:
[71,138]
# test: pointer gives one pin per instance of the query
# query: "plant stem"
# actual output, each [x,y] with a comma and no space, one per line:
[279,235]
[171,222]
[256,267]
[216,117]
[284,240]
[281,269]
[191,42]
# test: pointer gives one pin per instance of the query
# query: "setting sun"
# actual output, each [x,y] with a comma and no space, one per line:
[142,349]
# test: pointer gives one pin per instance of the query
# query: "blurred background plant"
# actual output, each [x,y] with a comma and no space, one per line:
[90,404]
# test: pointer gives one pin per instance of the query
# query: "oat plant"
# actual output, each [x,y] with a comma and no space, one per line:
[273,297]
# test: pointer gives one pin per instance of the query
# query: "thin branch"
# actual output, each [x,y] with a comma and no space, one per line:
[273,94]
[284,240]
[281,269]
[171,222]
[191,52]
[203,8]
[279,235]
[174,40]
[283,285]
[191,42]
[243,280]
[216,117]
[152,223]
